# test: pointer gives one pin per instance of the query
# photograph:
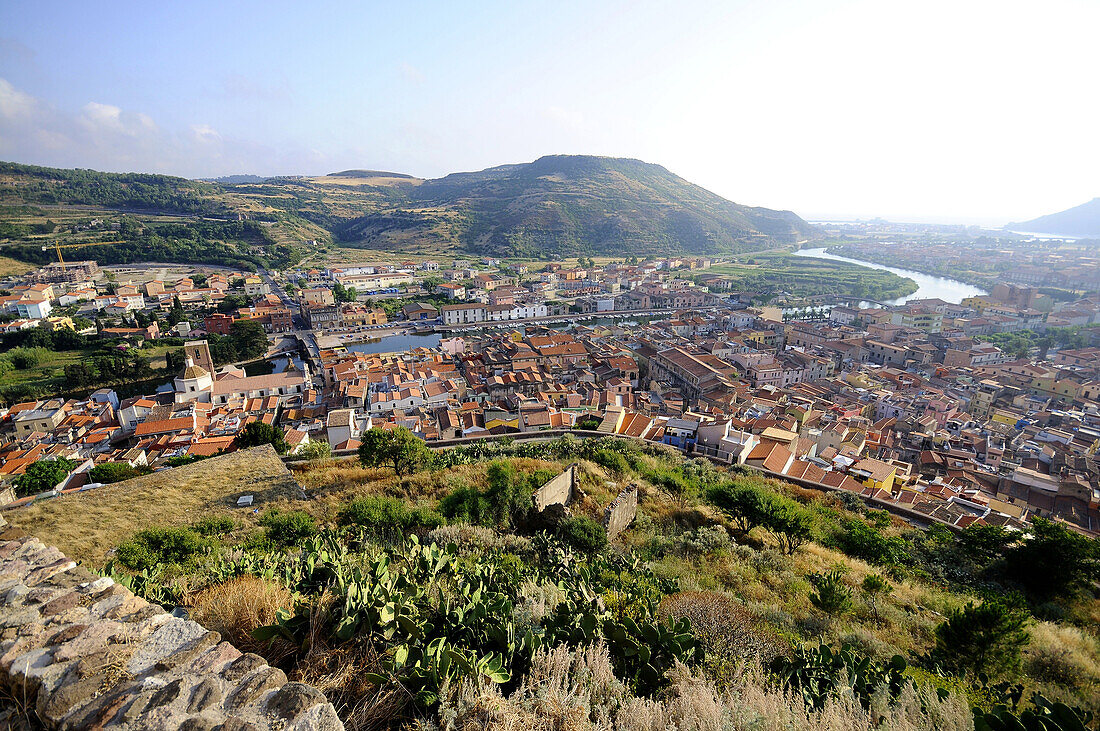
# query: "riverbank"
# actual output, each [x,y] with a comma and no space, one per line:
[928,286]
[884,259]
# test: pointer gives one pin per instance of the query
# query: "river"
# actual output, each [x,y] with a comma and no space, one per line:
[928,286]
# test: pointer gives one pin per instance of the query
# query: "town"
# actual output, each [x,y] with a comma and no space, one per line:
[914,407]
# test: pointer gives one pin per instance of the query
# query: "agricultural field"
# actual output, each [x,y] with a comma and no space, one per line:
[773,273]
[419,587]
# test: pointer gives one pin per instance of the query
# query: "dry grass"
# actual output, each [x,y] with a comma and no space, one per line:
[1060,658]
[239,606]
[9,267]
[575,690]
[87,525]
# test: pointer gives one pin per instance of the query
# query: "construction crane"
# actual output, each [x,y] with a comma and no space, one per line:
[59,246]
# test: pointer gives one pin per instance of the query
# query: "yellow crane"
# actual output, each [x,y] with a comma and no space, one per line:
[59,246]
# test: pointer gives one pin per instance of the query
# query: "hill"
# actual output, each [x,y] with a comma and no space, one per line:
[560,205]
[564,205]
[1082,220]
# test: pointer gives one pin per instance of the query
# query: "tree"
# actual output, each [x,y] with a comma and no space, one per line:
[176,313]
[875,586]
[43,475]
[315,450]
[344,294]
[249,339]
[112,472]
[743,503]
[80,374]
[1053,560]
[789,521]
[982,638]
[232,303]
[256,433]
[397,448]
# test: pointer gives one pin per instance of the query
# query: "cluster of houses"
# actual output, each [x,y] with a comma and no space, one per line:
[907,407]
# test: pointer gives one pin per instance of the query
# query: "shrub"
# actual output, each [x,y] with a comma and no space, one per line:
[288,528]
[726,629]
[112,472]
[238,607]
[466,505]
[983,638]
[583,534]
[45,474]
[860,539]
[611,460]
[830,594]
[314,450]
[160,545]
[257,433]
[374,511]
[215,525]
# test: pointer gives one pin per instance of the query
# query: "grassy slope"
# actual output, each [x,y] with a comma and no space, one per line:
[87,525]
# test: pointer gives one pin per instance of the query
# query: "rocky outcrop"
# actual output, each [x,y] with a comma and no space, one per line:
[81,651]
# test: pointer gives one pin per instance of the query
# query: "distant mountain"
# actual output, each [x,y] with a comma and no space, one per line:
[235,179]
[563,205]
[368,174]
[1082,220]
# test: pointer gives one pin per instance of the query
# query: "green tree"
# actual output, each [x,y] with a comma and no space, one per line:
[789,521]
[1053,560]
[45,474]
[983,638]
[315,450]
[744,504]
[80,374]
[398,448]
[344,294]
[249,339]
[874,587]
[176,314]
[109,472]
[256,433]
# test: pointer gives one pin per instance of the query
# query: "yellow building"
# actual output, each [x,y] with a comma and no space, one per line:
[874,473]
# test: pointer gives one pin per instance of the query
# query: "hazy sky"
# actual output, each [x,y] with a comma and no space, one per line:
[949,110]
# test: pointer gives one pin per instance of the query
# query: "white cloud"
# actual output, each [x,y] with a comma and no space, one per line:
[107,137]
[14,103]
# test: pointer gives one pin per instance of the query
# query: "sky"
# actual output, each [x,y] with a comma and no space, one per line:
[943,110]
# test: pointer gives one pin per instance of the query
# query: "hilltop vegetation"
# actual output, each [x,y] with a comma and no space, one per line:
[437,596]
[556,206]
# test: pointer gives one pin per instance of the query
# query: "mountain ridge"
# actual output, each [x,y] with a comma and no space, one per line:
[1082,220]
[554,206]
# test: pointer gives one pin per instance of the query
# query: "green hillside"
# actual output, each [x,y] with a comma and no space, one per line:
[567,205]
[555,206]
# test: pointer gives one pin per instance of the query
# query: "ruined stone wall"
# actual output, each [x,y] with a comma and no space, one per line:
[620,513]
[558,490]
[81,651]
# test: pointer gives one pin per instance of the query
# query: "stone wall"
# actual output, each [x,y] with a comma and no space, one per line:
[620,513]
[80,651]
[558,490]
